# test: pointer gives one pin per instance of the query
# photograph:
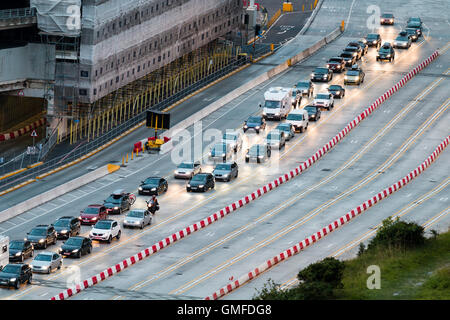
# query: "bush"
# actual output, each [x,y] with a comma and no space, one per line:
[329,270]
[270,291]
[398,234]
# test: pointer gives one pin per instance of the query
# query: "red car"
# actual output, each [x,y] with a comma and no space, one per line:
[93,213]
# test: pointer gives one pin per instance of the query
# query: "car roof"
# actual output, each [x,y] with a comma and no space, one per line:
[297,111]
[19,240]
[78,237]
[42,226]
[137,210]
[118,192]
[95,205]
[48,253]
[66,217]
[153,178]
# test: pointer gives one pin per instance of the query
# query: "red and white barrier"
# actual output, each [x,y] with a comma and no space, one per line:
[247,199]
[331,227]
[22,131]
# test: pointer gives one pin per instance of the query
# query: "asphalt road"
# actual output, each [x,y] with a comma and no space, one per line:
[382,149]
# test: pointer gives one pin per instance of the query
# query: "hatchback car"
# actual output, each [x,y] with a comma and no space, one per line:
[403,40]
[258,152]
[412,33]
[105,230]
[322,74]
[201,182]
[153,186]
[306,88]
[386,52]
[233,139]
[337,91]
[373,40]
[117,202]
[42,235]
[354,76]
[226,171]
[324,100]
[336,64]
[275,139]
[357,45]
[387,18]
[287,129]
[67,226]
[187,170]
[46,262]
[256,123]
[314,112]
[13,275]
[92,214]
[349,57]
[76,246]
[137,218]
[19,250]
[356,51]
[220,151]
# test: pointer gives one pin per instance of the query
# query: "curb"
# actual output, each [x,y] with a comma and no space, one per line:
[242,202]
[302,245]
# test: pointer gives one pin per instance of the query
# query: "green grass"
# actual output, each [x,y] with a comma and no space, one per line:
[420,273]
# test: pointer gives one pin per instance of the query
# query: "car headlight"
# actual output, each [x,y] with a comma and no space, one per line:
[75,251]
[257,127]
[338,66]
[338,92]
[41,241]
[357,78]
[328,65]
[392,20]
[64,231]
[94,218]
[260,157]
[18,254]
[12,279]
[116,208]
[60,250]
[140,188]
[388,56]
[153,189]
[226,175]
[188,185]
[247,156]
[245,127]
[264,113]
[44,267]
[312,74]
[176,172]
[374,42]
[201,186]
[313,116]
[345,77]
[223,154]
[395,43]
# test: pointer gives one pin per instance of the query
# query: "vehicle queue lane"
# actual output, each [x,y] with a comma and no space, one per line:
[257,182]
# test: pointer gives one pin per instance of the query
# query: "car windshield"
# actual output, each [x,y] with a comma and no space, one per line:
[199,178]
[273,136]
[321,70]
[372,36]
[385,50]
[353,73]
[256,150]
[271,104]
[334,88]
[283,127]
[323,96]
[223,166]
[387,15]
[38,232]
[294,117]
[135,214]
[310,109]
[402,38]
[351,49]
[43,257]
[104,225]
[93,210]
[16,245]
[62,223]
[410,30]
[254,120]
[74,241]
[151,181]
[186,165]
[113,199]
[303,85]
[413,24]
[332,60]
[229,136]
[221,147]
[346,55]
[11,268]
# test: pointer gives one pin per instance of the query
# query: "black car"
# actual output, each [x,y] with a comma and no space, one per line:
[386,52]
[306,88]
[256,123]
[322,74]
[416,25]
[336,64]
[67,226]
[414,19]
[412,32]
[349,57]
[355,50]
[19,250]
[153,185]
[364,47]
[117,202]
[42,235]
[373,40]
[314,112]
[76,246]
[357,45]
[226,171]
[387,18]
[201,182]
[13,275]
[337,91]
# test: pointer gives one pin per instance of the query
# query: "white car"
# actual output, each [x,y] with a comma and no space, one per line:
[324,100]
[275,139]
[299,119]
[46,262]
[186,170]
[105,230]
[233,139]
[221,151]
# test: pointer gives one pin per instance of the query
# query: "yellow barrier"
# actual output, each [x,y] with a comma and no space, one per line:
[342,25]
[288,7]
[274,18]
[35,165]
[12,173]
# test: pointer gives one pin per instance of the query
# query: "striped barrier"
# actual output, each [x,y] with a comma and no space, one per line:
[22,131]
[302,245]
[247,199]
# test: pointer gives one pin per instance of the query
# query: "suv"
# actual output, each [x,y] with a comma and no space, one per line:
[337,64]
[324,100]
[386,52]
[373,40]
[13,275]
[92,214]
[76,246]
[42,235]
[201,182]
[19,250]
[67,226]
[105,230]
[387,18]
[117,202]
[322,74]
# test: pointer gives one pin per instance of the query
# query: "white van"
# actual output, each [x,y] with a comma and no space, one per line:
[278,102]
[4,251]
[299,119]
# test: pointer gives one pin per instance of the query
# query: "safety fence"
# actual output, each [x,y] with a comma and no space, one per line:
[247,199]
[302,245]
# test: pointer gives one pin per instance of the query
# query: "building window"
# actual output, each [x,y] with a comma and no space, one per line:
[96,73]
[117,79]
[111,83]
[132,71]
[159,58]
[101,70]
[84,74]
[95,91]
[139,69]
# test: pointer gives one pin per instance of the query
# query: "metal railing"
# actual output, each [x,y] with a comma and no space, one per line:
[85,147]
[17,13]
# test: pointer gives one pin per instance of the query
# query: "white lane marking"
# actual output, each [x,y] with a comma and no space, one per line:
[349,14]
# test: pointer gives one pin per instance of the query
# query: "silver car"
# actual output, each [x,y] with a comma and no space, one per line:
[276,139]
[46,262]
[233,139]
[220,151]
[186,170]
[137,218]
[226,171]
[288,130]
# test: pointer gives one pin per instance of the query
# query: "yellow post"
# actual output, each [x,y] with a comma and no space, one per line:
[342,25]
[137,152]
[132,153]
[127,157]
[93,128]
[98,125]
[107,121]
[303,7]
[70,132]
[123,161]
[315,3]
[311,7]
